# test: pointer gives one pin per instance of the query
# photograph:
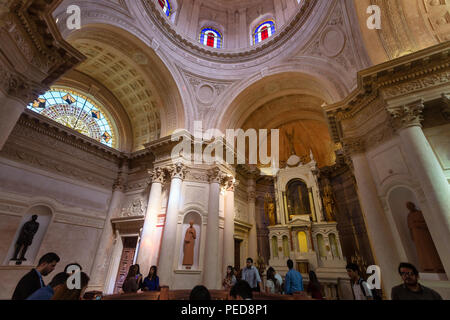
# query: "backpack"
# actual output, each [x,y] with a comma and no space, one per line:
[375,294]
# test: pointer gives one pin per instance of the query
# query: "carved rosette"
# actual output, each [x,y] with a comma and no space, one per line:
[406,116]
[178,171]
[157,175]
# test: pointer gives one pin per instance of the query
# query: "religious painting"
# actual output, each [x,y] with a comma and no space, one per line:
[298,199]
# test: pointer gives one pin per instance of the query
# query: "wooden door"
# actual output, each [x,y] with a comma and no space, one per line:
[126,261]
[237,253]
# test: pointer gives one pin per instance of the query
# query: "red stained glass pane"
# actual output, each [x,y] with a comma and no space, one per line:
[264,33]
[162,3]
[210,41]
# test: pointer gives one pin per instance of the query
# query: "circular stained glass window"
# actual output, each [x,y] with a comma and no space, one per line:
[77,112]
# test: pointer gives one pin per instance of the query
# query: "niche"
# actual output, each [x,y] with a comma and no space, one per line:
[44,217]
[197,219]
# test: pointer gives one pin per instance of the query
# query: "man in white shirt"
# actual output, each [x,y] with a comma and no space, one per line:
[360,288]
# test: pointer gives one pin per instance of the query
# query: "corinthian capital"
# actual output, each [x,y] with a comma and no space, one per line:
[215,175]
[231,183]
[178,170]
[405,116]
[157,175]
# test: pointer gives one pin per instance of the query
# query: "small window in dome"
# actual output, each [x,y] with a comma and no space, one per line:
[211,38]
[264,30]
[165,5]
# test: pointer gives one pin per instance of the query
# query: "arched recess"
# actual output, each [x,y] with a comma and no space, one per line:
[44,217]
[197,219]
[294,102]
[135,75]
[397,199]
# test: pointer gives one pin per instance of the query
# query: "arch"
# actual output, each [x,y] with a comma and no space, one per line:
[334,246]
[286,250]
[259,21]
[264,31]
[321,246]
[274,245]
[78,111]
[302,242]
[45,215]
[211,37]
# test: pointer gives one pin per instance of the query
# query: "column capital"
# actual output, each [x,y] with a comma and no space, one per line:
[409,115]
[177,171]
[231,183]
[157,175]
[446,108]
[215,175]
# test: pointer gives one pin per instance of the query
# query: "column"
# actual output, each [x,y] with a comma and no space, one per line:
[376,223]
[103,254]
[149,245]
[11,109]
[252,241]
[243,29]
[230,41]
[428,171]
[228,232]
[185,16]
[168,245]
[211,264]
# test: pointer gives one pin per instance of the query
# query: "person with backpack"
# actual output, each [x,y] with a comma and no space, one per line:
[360,288]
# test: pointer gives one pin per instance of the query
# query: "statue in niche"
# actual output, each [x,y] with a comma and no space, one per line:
[298,199]
[328,201]
[269,209]
[25,239]
[429,260]
[189,245]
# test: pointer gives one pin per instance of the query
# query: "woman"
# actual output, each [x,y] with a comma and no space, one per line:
[272,284]
[151,282]
[130,284]
[314,287]
[230,279]
[72,294]
[139,277]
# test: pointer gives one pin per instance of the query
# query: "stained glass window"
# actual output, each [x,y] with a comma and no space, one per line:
[264,30]
[211,38]
[165,5]
[77,112]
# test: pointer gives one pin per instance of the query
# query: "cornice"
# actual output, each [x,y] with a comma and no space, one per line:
[225,56]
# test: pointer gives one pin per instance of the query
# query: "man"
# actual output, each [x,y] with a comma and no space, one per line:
[360,288]
[241,291]
[251,275]
[46,293]
[411,289]
[33,281]
[293,280]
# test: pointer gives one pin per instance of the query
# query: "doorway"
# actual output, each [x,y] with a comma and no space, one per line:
[126,261]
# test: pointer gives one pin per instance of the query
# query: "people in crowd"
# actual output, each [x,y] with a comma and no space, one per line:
[67,293]
[241,291]
[73,267]
[314,287]
[130,285]
[151,282]
[56,285]
[294,279]
[272,284]
[200,293]
[33,280]
[139,277]
[360,288]
[411,289]
[230,279]
[251,275]
[280,281]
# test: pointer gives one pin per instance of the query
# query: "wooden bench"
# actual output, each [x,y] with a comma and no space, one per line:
[148,295]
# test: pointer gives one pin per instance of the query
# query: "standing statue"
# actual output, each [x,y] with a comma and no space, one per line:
[328,201]
[189,244]
[25,239]
[429,260]
[269,209]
